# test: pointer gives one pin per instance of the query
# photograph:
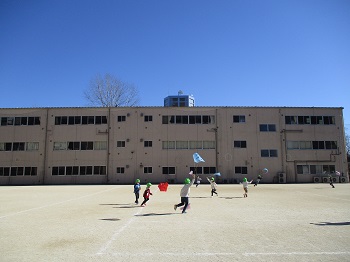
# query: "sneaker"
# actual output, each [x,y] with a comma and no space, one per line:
[143,205]
[175,207]
[184,212]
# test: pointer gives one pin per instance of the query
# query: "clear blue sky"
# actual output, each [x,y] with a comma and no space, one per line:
[225,52]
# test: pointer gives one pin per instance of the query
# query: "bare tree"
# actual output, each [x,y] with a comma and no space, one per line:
[347,144]
[109,91]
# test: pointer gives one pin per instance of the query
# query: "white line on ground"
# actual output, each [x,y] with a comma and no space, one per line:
[104,248]
[55,204]
[207,254]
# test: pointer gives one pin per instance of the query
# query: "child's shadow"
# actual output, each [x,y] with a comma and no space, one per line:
[230,197]
[154,214]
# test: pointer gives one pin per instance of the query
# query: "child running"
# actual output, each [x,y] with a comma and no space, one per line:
[185,193]
[213,186]
[257,181]
[137,188]
[245,186]
[146,194]
[198,181]
[331,180]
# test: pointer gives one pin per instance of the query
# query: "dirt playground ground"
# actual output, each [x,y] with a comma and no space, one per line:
[277,222]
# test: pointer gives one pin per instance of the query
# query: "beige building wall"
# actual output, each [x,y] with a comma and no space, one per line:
[131,145]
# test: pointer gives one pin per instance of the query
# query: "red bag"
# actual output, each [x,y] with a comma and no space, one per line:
[163,186]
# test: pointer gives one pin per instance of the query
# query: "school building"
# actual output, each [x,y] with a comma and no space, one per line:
[116,145]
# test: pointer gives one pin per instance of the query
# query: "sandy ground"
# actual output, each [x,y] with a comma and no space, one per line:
[287,222]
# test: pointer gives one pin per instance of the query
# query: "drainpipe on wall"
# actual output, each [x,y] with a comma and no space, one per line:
[45,145]
[108,143]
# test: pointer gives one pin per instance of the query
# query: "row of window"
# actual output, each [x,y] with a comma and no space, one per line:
[80,120]
[19,146]
[310,120]
[174,119]
[147,118]
[18,171]
[188,145]
[312,145]
[297,120]
[78,170]
[188,119]
[83,145]
[20,121]
[315,169]
[166,170]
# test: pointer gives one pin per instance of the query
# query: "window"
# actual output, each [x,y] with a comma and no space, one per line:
[305,145]
[77,120]
[195,144]
[120,170]
[208,144]
[238,119]
[87,145]
[168,144]
[293,145]
[32,146]
[241,170]
[58,171]
[181,144]
[60,146]
[73,145]
[30,171]
[329,169]
[197,170]
[4,171]
[267,128]
[195,119]
[329,120]
[100,145]
[8,146]
[120,143]
[240,144]
[100,170]
[100,120]
[91,120]
[147,170]
[148,118]
[209,170]
[84,120]
[85,170]
[165,120]
[315,169]
[268,153]
[168,170]
[147,143]
[72,170]
[318,145]
[121,118]
[18,146]
[331,144]
[303,169]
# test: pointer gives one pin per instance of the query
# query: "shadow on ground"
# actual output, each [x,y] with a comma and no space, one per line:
[110,219]
[155,214]
[331,224]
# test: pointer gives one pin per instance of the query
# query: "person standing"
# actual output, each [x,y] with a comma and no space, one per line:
[137,188]
[185,193]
